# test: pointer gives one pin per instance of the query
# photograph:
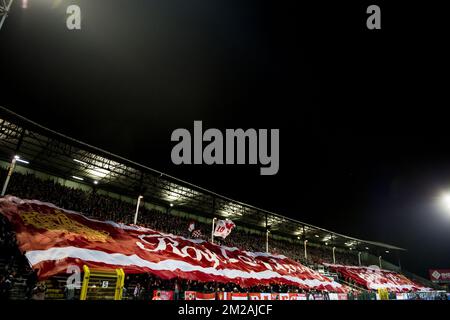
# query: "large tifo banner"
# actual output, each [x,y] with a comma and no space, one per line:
[52,238]
[376,278]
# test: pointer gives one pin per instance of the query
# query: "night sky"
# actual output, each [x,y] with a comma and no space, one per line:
[362,114]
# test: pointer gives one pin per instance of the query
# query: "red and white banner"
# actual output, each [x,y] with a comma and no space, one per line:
[375,278]
[52,239]
[205,296]
[223,228]
[162,295]
[223,295]
[283,296]
[190,295]
[260,296]
[254,296]
[342,296]
[239,296]
[297,296]
[440,275]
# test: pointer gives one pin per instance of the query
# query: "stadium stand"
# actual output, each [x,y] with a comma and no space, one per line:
[18,280]
[59,161]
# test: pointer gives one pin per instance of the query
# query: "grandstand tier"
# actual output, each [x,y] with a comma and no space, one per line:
[166,223]
[87,190]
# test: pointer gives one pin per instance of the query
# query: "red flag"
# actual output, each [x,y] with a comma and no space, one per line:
[375,278]
[205,296]
[53,239]
[223,228]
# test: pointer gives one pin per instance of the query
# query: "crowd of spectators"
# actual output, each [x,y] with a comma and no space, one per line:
[146,285]
[13,264]
[100,206]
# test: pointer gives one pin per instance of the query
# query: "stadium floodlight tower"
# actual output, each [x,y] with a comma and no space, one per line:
[5,6]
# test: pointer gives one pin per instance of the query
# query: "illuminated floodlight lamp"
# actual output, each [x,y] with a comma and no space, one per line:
[171,204]
[317,236]
[77,178]
[367,248]
[445,201]
[18,159]
[95,182]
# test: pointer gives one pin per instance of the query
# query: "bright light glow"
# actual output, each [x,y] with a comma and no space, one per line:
[93,170]
[78,178]
[24,4]
[79,161]
[367,248]
[444,204]
[20,160]
[95,182]
[326,243]
[298,238]
[387,251]
[445,200]
[317,236]
[98,172]
[171,204]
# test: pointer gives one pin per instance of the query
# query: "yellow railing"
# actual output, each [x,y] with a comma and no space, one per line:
[118,275]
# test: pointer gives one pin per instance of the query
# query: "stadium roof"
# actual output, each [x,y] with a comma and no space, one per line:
[65,157]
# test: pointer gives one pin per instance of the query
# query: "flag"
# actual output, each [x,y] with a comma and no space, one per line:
[374,278]
[223,228]
[196,234]
[191,226]
[205,296]
[54,239]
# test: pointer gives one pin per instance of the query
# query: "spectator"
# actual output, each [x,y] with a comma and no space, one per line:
[39,291]
[138,292]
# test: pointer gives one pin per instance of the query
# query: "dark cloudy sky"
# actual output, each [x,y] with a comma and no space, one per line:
[362,115]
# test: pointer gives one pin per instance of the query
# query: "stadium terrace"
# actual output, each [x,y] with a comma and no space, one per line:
[96,219]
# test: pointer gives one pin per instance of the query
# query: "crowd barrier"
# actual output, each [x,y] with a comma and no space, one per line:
[193,295]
